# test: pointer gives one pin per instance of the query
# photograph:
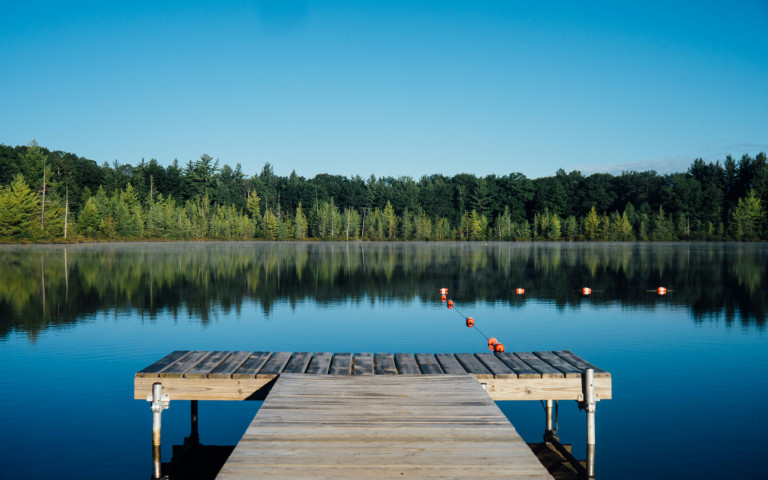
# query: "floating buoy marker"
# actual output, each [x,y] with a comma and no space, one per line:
[443,291]
[661,290]
[586,290]
[492,342]
[450,304]
[470,322]
[442,298]
[499,348]
[519,291]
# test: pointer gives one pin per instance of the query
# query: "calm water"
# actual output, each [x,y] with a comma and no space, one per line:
[689,368]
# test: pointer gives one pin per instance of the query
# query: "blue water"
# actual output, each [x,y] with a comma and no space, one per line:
[687,382]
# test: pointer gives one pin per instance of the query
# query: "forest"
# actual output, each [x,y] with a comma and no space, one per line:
[55,196]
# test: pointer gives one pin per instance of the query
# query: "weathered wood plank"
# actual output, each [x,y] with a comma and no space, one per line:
[522,369]
[449,364]
[384,364]
[559,363]
[320,363]
[579,362]
[274,365]
[363,364]
[385,426]
[496,366]
[298,363]
[203,368]
[406,364]
[472,365]
[546,370]
[428,364]
[341,364]
[157,367]
[201,388]
[549,388]
[182,365]
[229,365]
[252,365]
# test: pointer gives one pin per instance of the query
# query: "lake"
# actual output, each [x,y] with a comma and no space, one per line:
[689,367]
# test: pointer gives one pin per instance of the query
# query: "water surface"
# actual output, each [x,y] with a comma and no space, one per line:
[76,322]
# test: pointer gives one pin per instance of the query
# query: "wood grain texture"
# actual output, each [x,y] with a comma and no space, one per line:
[274,365]
[203,368]
[522,369]
[449,364]
[579,362]
[320,363]
[472,365]
[406,364]
[385,426]
[498,368]
[428,364]
[184,364]
[230,365]
[298,363]
[546,370]
[252,365]
[341,364]
[384,364]
[160,365]
[363,364]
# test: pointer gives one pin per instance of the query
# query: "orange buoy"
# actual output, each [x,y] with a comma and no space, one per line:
[661,290]
[499,348]
[442,298]
[450,304]
[470,322]
[443,291]
[519,291]
[492,341]
[586,290]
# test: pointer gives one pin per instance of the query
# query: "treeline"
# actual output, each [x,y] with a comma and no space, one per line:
[52,195]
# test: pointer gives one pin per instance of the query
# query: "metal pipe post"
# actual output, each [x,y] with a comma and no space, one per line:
[548,431]
[194,437]
[590,403]
[159,403]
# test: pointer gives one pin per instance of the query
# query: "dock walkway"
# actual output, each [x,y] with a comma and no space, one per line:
[430,426]
[380,415]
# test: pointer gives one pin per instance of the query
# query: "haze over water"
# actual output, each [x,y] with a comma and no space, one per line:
[77,321]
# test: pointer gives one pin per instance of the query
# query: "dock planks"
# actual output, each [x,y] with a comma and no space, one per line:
[380,426]
[221,375]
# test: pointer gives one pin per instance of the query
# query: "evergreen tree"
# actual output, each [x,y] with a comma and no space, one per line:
[19,211]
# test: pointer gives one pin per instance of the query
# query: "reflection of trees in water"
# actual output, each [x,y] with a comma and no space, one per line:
[58,285]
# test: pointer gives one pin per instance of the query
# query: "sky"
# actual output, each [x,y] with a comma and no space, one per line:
[395,88]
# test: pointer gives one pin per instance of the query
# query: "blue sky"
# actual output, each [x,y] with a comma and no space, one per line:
[389,88]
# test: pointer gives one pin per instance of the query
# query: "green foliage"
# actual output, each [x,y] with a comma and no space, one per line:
[19,211]
[711,201]
[747,218]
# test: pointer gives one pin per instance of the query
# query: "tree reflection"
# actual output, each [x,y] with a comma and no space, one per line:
[44,286]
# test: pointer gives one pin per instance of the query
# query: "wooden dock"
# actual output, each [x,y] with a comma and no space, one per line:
[223,375]
[380,415]
[429,426]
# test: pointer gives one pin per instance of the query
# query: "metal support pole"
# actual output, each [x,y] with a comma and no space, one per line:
[589,405]
[194,437]
[160,402]
[549,431]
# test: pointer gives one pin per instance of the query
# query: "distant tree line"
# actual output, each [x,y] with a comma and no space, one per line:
[52,195]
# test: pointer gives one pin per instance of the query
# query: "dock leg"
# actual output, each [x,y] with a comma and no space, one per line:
[194,437]
[589,405]
[549,431]
[159,403]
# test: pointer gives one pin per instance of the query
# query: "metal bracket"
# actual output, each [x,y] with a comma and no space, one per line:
[158,405]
